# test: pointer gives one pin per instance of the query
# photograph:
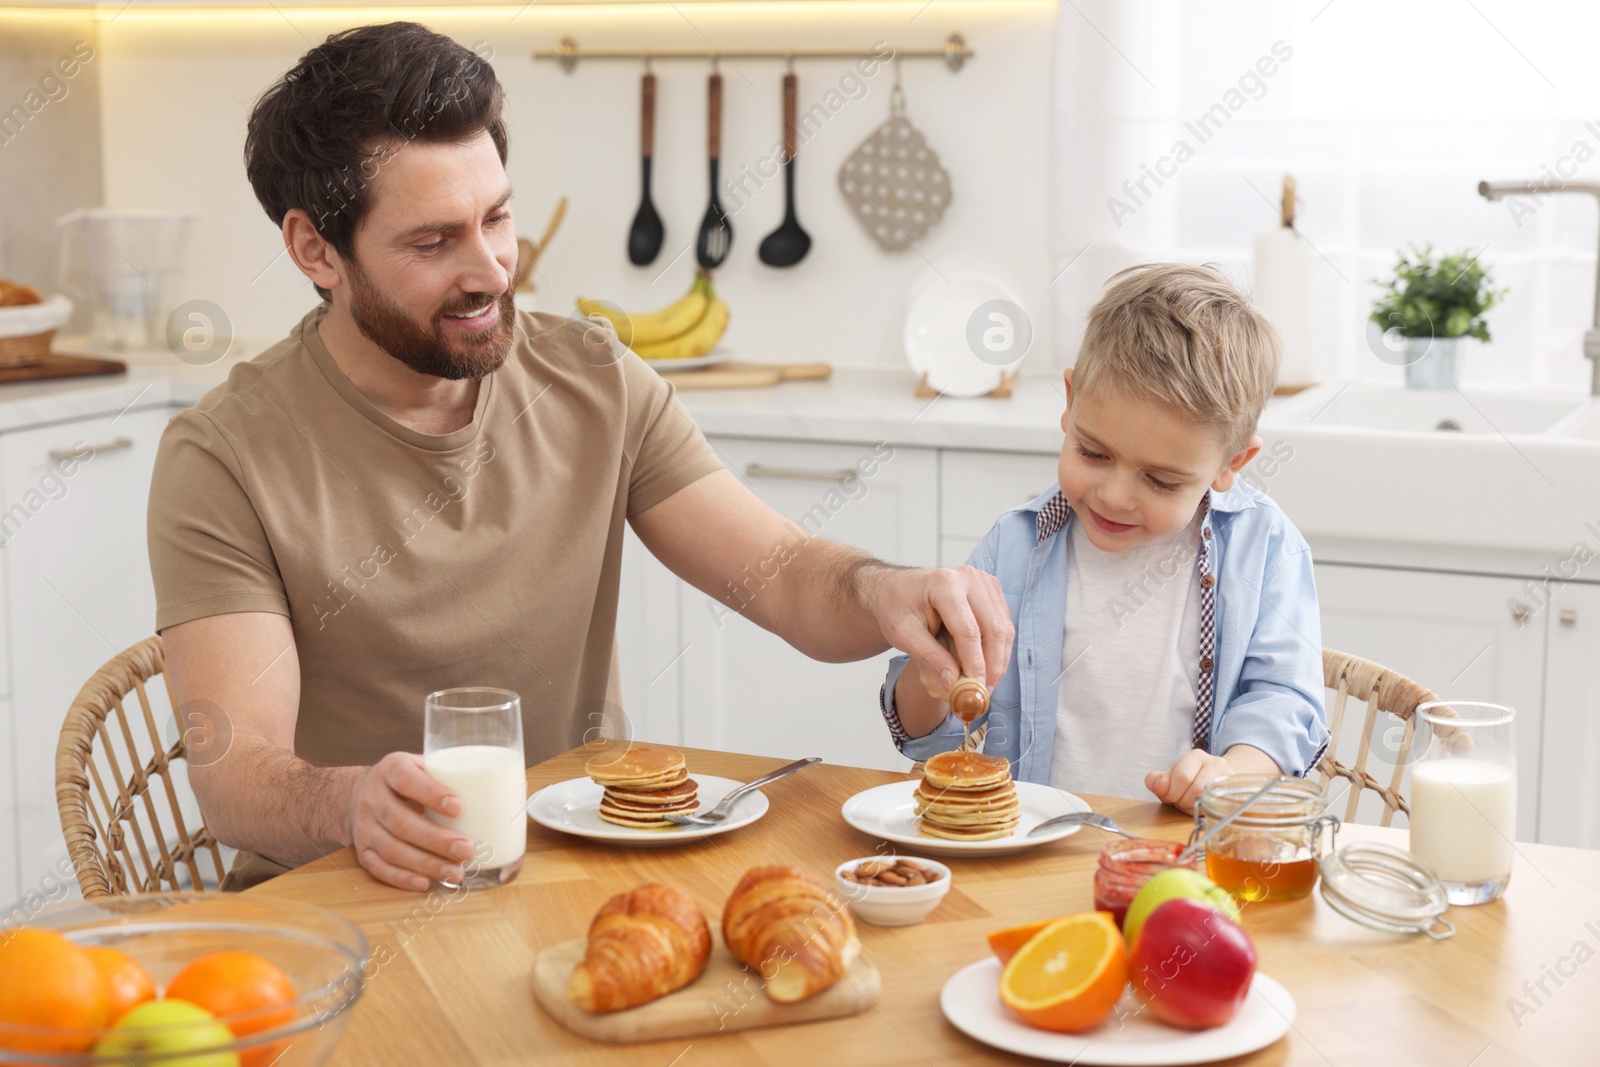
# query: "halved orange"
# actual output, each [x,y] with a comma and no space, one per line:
[1070,975]
[1004,943]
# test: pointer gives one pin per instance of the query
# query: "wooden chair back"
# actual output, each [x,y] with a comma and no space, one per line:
[120,807]
[1383,691]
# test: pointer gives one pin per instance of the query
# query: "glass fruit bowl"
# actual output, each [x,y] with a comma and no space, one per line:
[324,956]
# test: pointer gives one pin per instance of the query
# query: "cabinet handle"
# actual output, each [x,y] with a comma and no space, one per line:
[761,470]
[113,445]
[1520,613]
[1568,617]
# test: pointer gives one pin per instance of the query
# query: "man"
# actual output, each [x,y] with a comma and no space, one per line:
[421,487]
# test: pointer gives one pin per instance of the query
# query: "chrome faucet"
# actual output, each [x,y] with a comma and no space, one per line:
[1541,189]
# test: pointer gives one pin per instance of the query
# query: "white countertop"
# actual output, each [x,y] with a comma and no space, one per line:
[858,403]
[877,403]
[1345,487]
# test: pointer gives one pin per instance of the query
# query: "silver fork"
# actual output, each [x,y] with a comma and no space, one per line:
[1080,818]
[720,812]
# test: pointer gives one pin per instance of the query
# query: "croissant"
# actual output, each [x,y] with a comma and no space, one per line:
[15,294]
[643,944]
[795,934]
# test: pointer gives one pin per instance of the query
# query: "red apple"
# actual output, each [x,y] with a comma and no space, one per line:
[1191,964]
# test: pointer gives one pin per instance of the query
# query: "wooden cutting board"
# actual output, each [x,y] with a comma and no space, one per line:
[726,997]
[736,375]
[56,365]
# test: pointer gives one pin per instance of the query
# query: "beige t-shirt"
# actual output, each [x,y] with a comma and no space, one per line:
[410,562]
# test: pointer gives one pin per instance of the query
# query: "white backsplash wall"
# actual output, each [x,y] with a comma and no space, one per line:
[1387,114]
[177,91]
[49,136]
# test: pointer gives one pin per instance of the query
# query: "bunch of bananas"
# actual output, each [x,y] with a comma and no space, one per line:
[686,329]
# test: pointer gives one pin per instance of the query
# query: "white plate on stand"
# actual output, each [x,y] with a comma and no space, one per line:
[573,807]
[1130,1037]
[935,334]
[890,812]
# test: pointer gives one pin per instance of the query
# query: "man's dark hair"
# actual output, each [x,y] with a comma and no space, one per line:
[317,138]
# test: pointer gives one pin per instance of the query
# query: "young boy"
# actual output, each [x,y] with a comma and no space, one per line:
[1166,619]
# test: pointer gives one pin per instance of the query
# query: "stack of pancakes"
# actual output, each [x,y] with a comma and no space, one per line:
[967,796]
[643,785]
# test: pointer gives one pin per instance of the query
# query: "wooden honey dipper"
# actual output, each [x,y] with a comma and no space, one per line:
[969,698]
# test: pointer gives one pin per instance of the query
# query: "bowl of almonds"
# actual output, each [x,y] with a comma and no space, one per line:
[892,890]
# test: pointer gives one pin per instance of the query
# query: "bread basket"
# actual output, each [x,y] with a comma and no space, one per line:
[27,329]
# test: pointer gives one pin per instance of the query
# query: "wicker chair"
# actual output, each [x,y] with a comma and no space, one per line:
[1383,690]
[119,840]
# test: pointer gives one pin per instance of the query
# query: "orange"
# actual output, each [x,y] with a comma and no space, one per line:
[1004,943]
[1070,975]
[231,983]
[46,980]
[127,983]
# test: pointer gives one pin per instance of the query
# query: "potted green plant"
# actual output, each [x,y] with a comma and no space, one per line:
[1431,303]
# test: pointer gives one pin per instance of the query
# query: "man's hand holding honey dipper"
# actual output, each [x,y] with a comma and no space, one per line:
[962,686]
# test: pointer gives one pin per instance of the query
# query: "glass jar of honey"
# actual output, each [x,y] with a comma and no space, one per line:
[1271,851]
[1125,866]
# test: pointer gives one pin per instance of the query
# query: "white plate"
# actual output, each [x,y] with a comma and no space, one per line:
[1131,1037]
[711,359]
[573,807]
[936,331]
[890,812]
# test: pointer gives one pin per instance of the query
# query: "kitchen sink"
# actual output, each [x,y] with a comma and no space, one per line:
[1476,471]
[1584,426]
[1398,410]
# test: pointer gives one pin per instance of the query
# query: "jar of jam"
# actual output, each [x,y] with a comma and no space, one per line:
[1271,851]
[1125,865]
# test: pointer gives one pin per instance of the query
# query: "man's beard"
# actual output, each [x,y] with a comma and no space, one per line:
[428,350]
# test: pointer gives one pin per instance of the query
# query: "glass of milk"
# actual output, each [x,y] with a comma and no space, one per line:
[472,745]
[1464,798]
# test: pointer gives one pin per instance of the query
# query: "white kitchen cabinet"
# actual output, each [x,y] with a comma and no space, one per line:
[1453,633]
[80,590]
[1569,805]
[648,644]
[10,876]
[976,488]
[955,551]
[747,690]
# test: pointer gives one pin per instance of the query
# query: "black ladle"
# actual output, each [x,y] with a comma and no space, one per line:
[788,244]
[646,234]
[716,232]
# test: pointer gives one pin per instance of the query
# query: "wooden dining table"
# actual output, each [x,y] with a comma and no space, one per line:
[448,981]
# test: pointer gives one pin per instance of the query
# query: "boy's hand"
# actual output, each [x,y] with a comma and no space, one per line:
[1182,784]
[936,687]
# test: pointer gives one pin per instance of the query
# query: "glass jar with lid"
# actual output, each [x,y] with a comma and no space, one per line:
[1126,865]
[1270,851]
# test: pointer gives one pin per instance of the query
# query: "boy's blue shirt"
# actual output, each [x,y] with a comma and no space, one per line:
[1268,651]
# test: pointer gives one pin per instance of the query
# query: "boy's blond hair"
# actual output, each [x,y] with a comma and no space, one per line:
[1187,337]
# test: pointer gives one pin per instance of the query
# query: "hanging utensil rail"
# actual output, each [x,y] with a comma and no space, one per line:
[954,52]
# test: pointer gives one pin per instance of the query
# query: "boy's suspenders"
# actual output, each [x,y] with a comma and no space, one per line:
[1205,688]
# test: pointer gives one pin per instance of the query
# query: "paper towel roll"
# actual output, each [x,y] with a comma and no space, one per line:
[1281,274]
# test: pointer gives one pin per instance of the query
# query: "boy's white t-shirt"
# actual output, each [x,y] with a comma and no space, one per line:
[1125,702]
